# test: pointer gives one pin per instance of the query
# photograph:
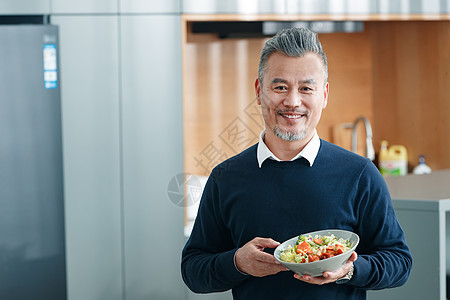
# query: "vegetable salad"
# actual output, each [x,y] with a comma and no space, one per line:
[310,249]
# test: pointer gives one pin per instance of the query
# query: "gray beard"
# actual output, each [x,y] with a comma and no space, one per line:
[289,135]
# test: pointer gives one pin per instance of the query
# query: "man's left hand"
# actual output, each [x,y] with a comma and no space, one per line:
[329,277]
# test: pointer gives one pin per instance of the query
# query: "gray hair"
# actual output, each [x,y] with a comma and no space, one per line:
[294,42]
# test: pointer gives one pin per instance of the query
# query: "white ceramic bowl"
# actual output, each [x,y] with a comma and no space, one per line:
[317,268]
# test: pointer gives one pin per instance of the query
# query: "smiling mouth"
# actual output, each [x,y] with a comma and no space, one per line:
[291,115]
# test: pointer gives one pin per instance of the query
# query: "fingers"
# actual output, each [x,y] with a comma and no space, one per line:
[353,257]
[265,258]
[251,259]
[264,242]
[260,244]
[329,277]
[320,280]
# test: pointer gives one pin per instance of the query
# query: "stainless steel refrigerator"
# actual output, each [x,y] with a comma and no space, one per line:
[32,246]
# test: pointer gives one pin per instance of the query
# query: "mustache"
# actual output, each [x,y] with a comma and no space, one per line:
[294,111]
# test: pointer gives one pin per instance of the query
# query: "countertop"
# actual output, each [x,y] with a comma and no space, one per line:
[433,187]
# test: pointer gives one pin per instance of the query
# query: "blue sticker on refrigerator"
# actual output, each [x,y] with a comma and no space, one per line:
[50,67]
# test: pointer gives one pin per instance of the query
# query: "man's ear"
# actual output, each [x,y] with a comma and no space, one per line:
[258,91]
[325,95]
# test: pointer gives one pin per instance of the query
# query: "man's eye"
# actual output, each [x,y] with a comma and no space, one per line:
[306,89]
[280,88]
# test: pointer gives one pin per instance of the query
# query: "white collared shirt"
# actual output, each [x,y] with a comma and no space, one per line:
[309,152]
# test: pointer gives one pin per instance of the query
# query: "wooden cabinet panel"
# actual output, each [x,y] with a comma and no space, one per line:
[221,116]
[411,64]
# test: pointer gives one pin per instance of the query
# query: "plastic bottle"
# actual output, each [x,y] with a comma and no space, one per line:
[422,167]
[393,161]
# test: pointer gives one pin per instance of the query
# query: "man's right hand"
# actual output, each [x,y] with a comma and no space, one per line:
[251,258]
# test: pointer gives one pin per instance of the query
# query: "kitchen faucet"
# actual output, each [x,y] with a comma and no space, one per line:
[370,151]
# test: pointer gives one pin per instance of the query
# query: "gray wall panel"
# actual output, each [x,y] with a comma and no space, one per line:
[24,7]
[90,115]
[422,235]
[145,6]
[85,6]
[214,296]
[152,155]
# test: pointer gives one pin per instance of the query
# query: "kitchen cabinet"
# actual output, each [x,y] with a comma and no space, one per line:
[152,147]
[316,7]
[422,205]
[24,7]
[410,7]
[145,6]
[84,6]
[414,6]
[234,7]
[366,7]
[331,7]
[91,151]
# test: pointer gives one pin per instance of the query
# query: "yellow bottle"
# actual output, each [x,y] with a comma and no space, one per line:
[393,161]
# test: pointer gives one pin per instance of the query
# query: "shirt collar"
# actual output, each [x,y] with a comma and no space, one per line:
[309,152]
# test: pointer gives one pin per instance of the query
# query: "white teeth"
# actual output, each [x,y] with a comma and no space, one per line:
[292,116]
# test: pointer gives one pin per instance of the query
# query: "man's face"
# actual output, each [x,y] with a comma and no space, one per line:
[292,95]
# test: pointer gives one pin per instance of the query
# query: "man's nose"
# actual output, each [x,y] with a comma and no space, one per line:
[293,99]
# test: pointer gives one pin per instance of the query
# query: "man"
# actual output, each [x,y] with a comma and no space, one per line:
[293,182]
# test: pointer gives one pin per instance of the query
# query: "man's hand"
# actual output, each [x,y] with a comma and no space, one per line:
[252,260]
[328,277]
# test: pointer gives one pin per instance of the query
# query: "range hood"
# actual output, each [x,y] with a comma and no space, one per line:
[236,29]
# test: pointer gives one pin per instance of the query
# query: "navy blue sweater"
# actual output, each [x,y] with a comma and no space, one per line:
[281,200]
